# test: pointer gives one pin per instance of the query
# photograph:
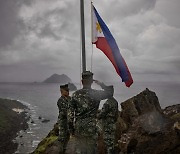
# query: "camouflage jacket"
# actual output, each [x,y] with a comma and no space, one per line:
[85,103]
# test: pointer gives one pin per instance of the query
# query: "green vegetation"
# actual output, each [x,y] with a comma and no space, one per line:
[176,116]
[44,144]
[47,141]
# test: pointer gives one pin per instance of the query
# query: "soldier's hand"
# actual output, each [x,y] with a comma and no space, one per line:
[71,128]
[97,82]
[98,116]
[103,86]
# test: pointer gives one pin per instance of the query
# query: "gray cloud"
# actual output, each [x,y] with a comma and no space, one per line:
[170,11]
[117,10]
[44,36]
[10,25]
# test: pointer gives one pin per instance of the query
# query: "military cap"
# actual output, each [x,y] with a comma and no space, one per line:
[87,75]
[65,87]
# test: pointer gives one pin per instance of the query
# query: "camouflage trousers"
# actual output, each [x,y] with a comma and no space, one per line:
[109,138]
[86,136]
[63,144]
[63,137]
[85,145]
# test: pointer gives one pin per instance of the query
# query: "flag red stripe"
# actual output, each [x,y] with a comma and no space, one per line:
[102,44]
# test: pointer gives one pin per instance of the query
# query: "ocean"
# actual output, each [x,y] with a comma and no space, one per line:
[41,98]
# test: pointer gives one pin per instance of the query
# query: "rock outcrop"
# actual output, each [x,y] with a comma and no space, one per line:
[172,111]
[142,127]
[149,129]
[72,87]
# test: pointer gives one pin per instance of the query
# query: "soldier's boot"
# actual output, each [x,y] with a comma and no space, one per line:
[62,147]
[111,151]
[61,150]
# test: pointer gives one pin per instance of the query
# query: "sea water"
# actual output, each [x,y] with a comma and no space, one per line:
[41,98]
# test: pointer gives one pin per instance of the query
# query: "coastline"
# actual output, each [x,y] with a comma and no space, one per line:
[13,118]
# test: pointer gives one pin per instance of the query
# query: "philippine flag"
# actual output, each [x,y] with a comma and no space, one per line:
[102,37]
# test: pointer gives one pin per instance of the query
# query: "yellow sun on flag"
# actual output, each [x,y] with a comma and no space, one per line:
[98,27]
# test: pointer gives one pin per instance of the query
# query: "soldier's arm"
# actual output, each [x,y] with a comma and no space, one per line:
[61,108]
[71,114]
[72,107]
[61,118]
[106,93]
[70,110]
[104,111]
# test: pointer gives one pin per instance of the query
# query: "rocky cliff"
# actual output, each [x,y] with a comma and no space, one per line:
[12,120]
[142,127]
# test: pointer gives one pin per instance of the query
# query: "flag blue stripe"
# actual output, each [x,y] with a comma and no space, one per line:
[114,48]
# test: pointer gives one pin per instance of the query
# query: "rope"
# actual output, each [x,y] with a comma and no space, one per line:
[80,63]
[91,38]
[92,58]
[80,44]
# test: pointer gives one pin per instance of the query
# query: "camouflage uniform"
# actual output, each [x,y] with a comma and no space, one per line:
[85,103]
[63,120]
[109,115]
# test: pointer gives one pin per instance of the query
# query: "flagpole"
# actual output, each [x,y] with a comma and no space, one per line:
[83,36]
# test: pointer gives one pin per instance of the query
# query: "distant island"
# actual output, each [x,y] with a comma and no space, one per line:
[61,79]
[56,78]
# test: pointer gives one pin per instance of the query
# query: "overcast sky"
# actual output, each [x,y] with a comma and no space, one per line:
[42,37]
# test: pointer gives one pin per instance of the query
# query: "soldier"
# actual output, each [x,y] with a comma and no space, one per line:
[65,124]
[109,116]
[85,103]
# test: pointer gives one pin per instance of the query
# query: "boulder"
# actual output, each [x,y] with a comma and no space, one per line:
[149,129]
[45,120]
[143,103]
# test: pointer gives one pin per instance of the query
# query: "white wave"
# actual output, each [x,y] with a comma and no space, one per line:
[24,103]
[18,110]
[35,143]
[29,132]
[36,128]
